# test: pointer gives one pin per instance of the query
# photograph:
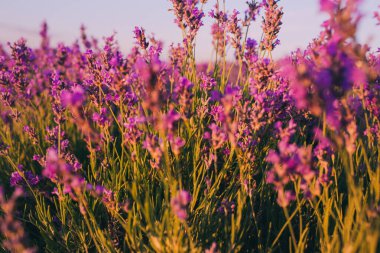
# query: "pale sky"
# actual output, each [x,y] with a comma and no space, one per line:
[301,22]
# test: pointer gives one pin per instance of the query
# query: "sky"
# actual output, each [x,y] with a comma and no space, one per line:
[23,18]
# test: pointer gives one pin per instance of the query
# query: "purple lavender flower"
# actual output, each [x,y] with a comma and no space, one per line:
[31,178]
[183,93]
[320,82]
[207,82]
[235,30]
[16,179]
[252,12]
[290,163]
[140,37]
[84,38]
[188,18]
[101,118]
[271,24]
[251,55]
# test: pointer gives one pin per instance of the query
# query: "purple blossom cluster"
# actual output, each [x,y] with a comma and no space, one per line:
[290,164]
[113,135]
[179,204]
[271,24]
[10,227]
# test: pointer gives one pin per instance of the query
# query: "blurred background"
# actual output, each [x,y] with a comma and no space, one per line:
[23,18]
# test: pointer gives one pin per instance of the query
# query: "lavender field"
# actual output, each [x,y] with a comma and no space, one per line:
[102,151]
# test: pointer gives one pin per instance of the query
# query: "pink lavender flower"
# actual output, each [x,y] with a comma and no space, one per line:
[31,132]
[213,248]
[176,143]
[285,197]
[218,29]
[15,238]
[377,16]
[218,137]
[73,97]
[329,5]
[153,146]
[53,165]
[59,171]
[232,95]
[179,204]
[168,120]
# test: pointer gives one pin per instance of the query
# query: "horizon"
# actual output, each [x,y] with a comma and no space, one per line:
[20,19]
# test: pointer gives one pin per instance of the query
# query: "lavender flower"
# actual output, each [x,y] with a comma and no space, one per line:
[217,136]
[377,17]
[176,143]
[140,37]
[188,18]
[251,54]
[154,147]
[218,29]
[17,179]
[271,24]
[101,118]
[290,163]
[31,132]
[235,30]
[207,82]
[179,204]
[73,97]
[44,36]
[252,12]
[10,227]
[213,248]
